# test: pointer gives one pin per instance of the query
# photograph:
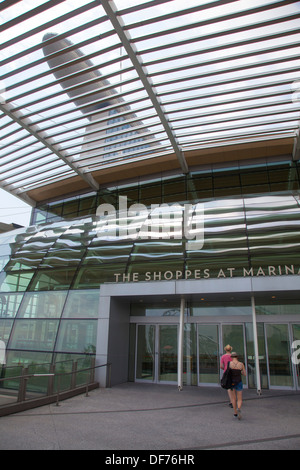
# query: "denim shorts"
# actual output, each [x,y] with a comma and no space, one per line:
[238,387]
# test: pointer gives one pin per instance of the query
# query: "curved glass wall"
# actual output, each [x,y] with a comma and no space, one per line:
[51,273]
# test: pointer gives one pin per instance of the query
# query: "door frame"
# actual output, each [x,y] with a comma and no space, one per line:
[220,325]
[156,354]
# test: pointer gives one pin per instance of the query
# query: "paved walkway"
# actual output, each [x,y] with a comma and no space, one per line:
[157,418]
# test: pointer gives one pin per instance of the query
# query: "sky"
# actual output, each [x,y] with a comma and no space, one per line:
[13,210]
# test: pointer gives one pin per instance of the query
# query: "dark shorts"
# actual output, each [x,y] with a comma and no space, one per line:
[238,387]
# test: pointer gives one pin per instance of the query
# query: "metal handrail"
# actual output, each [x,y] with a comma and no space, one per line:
[25,377]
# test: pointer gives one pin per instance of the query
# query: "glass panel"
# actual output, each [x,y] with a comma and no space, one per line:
[208,308]
[34,335]
[234,335]
[92,277]
[18,359]
[82,304]
[14,282]
[296,337]
[279,355]
[5,329]
[77,336]
[277,307]
[62,257]
[42,305]
[9,304]
[190,354]
[165,309]
[168,355]
[145,367]
[208,344]
[53,280]
[251,356]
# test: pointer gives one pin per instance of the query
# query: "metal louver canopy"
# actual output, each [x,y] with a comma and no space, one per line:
[96,92]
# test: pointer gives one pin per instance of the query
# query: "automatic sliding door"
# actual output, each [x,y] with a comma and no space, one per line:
[296,337]
[234,335]
[145,353]
[208,354]
[156,353]
[279,355]
[168,353]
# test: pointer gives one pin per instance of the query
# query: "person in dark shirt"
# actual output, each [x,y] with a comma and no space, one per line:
[237,370]
[225,359]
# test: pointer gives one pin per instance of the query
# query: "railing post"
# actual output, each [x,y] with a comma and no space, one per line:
[51,380]
[58,389]
[74,375]
[23,385]
[92,372]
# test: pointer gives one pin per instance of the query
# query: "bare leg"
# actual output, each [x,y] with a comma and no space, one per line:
[233,400]
[239,400]
[239,403]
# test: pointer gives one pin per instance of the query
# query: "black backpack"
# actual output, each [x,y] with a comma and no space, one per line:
[226,380]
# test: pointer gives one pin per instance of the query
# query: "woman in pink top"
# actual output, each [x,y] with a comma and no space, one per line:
[225,359]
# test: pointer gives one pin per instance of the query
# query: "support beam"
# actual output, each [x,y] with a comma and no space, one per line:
[256,352]
[42,137]
[296,149]
[181,344]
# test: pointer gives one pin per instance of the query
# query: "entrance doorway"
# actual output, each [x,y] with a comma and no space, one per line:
[283,371]
[211,342]
[156,353]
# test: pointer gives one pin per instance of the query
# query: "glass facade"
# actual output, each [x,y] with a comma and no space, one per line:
[204,185]
[51,272]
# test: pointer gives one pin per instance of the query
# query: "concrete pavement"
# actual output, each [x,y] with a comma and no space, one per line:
[149,417]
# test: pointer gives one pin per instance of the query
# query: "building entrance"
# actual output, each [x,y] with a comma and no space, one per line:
[156,353]
[211,342]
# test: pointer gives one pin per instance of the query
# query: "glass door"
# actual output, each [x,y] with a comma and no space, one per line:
[167,353]
[296,353]
[145,368]
[156,353]
[279,356]
[208,354]
[235,336]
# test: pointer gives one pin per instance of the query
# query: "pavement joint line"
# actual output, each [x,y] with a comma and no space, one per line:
[246,442]
[143,410]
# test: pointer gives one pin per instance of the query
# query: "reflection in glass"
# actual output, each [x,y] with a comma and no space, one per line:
[220,308]
[251,369]
[234,335]
[208,344]
[34,335]
[82,304]
[279,355]
[164,309]
[53,279]
[77,336]
[190,354]
[42,304]
[145,363]
[168,355]
[5,329]
[9,304]
[14,282]
[296,337]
